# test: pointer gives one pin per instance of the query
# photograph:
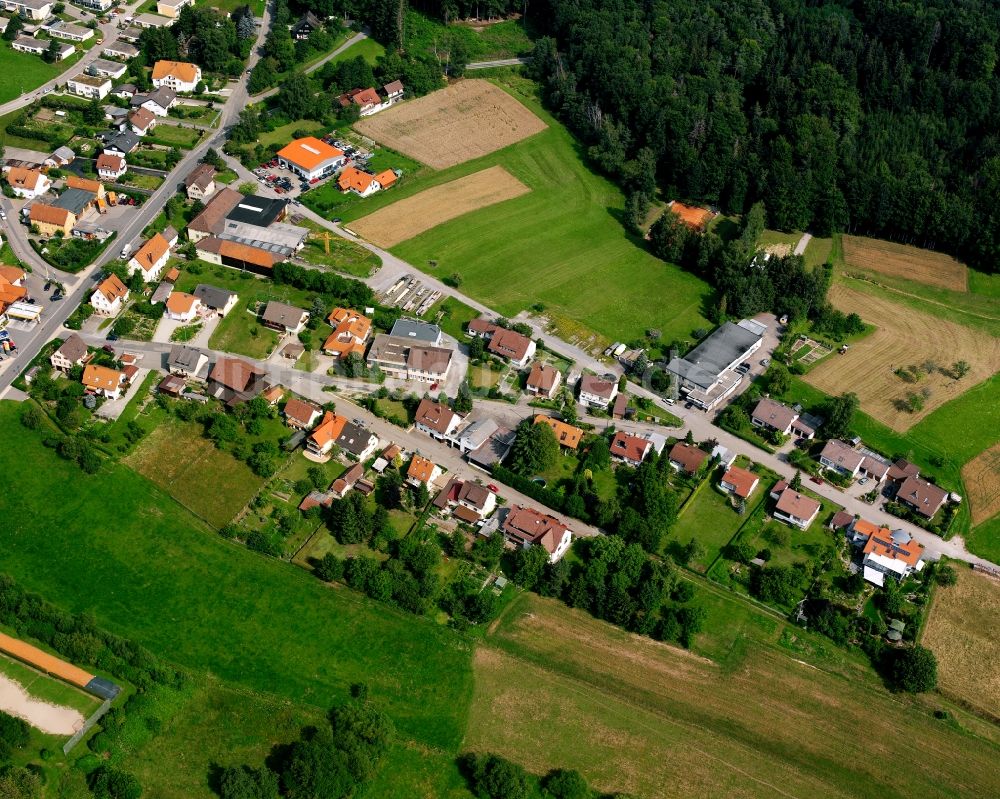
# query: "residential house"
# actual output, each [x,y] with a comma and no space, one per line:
[39,47]
[301,415]
[36,10]
[123,50]
[146,20]
[200,182]
[841,457]
[95,5]
[171,8]
[357,441]
[110,167]
[409,360]
[493,450]
[121,143]
[103,381]
[566,434]
[922,496]
[151,258]
[159,101]
[142,121]
[350,332]
[901,470]
[543,380]
[619,409]
[284,318]
[187,362]
[361,183]
[348,480]
[526,527]
[72,352]
[323,438]
[311,158]
[182,307]
[468,500]
[793,507]
[90,86]
[219,301]
[422,472]
[131,34]
[630,449]
[884,552]
[474,434]
[772,415]
[110,296]
[234,380]
[306,24]
[61,156]
[687,458]
[60,29]
[178,76]
[596,392]
[12,288]
[739,481]
[393,92]
[107,69]
[436,420]
[27,183]
[367,101]
[509,344]
[50,219]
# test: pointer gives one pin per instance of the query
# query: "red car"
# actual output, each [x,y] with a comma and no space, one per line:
[493,488]
[816,480]
[434,386]
[314,180]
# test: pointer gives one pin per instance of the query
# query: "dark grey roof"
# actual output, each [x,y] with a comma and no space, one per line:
[353,438]
[494,450]
[74,200]
[163,96]
[73,349]
[212,296]
[260,211]
[278,313]
[414,329]
[124,142]
[183,357]
[703,365]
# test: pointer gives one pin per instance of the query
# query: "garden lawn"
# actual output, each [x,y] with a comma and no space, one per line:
[175,136]
[30,71]
[710,520]
[452,316]
[368,49]
[280,136]
[158,575]
[561,245]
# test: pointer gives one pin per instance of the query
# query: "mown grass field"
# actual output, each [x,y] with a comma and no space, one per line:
[160,576]
[211,483]
[663,722]
[711,520]
[562,245]
[25,72]
[368,49]
[967,649]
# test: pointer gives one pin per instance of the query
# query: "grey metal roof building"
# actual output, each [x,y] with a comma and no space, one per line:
[278,238]
[74,200]
[415,330]
[723,349]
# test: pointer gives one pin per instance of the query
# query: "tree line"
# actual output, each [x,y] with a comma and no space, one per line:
[873,117]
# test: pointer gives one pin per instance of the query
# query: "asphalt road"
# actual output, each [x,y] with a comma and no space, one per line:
[502,62]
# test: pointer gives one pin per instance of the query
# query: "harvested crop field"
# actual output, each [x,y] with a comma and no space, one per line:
[413,215]
[903,337]
[967,646]
[981,476]
[468,120]
[901,260]
[662,722]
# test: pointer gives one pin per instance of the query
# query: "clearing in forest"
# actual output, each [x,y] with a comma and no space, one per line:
[966,646]
[981,476]
[413,215]
[909,340]
[467,120]
[902,260]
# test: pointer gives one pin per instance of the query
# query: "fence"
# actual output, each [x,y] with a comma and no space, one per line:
[87,726]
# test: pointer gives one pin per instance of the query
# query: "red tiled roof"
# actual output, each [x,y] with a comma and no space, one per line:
[689,457]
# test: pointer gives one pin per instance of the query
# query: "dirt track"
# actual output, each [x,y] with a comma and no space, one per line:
[412,216]
[52,719]
[466,120]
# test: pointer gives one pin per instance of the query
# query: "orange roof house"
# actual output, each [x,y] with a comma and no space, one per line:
[111,288]
[102,379]
[567,435]
[49,218]
[22,178]
[739,481]
[326,433]
[352,179]
[94,186]
[152,254]
[422,471]
[350,331]
[386,178]
[180,303]
[692,216]
[181,70]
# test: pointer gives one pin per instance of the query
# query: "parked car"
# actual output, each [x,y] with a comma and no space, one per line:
[493,488]
[765,362]
[818,481]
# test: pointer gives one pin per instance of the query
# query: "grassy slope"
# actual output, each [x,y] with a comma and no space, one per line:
[30,71]
[562,244]
[114,545]
[368,49]
[661,722]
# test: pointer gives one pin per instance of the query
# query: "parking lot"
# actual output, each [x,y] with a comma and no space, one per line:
[410,294]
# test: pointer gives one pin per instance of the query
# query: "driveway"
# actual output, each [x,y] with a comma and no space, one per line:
[112,409]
